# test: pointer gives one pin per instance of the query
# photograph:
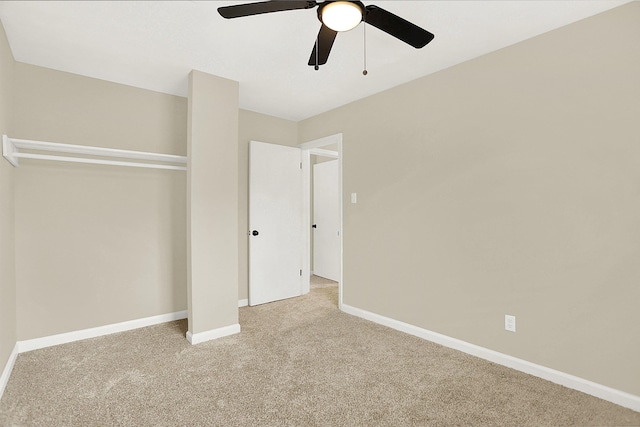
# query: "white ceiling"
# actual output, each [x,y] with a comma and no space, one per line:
[154,45]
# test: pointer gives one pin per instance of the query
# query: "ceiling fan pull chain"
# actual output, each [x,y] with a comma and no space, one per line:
[317,67]
[364,29]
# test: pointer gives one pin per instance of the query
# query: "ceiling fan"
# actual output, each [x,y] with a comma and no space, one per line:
[337,16]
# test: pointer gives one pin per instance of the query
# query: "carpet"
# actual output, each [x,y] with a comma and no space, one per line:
[298,362]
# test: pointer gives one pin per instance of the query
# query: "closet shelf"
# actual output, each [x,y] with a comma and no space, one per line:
[11,151]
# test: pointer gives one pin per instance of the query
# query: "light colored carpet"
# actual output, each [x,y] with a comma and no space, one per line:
[298,362]
[320,282]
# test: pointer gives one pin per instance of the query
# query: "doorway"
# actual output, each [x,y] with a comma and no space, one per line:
[325,233]
[269,159]
[328,147]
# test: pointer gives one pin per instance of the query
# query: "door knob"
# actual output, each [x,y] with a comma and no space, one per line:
[314,226]
[255,232]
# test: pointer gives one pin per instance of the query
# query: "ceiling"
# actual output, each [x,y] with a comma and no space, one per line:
[154,45]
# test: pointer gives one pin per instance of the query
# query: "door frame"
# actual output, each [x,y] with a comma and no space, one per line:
[309,148]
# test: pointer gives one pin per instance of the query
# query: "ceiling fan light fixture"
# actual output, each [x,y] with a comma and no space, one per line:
[341,15]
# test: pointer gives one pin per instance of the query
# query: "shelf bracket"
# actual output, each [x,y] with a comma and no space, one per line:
[9,151]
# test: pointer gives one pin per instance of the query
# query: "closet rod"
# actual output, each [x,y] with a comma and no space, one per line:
[11,147]
[98,162]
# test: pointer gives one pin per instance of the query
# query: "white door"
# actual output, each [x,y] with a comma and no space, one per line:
[326,217]
[275,222]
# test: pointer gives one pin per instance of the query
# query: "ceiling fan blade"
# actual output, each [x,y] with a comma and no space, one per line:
[397,27]
[237,11]
[325,40]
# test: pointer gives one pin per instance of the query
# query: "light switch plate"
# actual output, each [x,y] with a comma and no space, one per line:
[510,323]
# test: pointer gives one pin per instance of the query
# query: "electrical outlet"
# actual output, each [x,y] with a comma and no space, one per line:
[510,323]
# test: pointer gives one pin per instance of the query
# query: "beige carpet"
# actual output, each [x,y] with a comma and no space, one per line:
[297,362]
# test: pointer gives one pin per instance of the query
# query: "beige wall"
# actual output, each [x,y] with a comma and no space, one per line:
[96,245]
[506,185]
[254,127]
[62,107]
[212,203]
[7,271]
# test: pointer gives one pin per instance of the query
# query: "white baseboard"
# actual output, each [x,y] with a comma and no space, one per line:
[52,340]
[589,387]
[243,302]
[6,372]
[213,334]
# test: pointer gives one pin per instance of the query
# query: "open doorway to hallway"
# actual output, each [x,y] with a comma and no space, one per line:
[324,151]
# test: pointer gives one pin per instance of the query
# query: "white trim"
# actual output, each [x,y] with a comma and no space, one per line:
[11,146]
[341,208]
[306,220]
[324,153]
[37,343]
[8,368]
[9,151]
[589,387]
[213,334]
[243,302]
[97,162]
[321,142]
